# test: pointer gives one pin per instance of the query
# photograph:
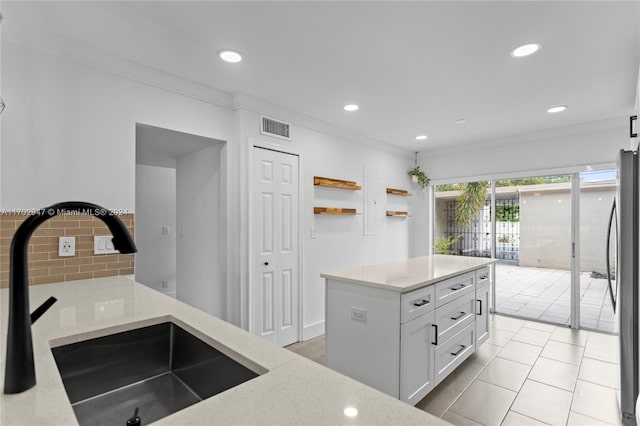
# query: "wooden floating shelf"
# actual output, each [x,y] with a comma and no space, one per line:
[334,210]
[336,183]
[398,192]
[397,214]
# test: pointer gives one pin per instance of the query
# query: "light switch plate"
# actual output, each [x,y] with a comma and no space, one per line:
[102,244]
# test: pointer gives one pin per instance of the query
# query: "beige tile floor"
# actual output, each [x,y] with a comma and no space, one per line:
[545,294]
[528,373]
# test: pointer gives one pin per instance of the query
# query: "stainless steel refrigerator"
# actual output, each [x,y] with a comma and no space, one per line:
[622,270]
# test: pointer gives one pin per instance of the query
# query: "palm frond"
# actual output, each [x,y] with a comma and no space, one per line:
[470,201]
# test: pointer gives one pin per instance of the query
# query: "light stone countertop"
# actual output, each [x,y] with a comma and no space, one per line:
[292,390]
[410,274]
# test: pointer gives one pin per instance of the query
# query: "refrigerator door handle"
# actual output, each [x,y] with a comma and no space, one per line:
[611,218]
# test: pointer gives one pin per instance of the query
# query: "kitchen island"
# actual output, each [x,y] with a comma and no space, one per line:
[402,327]
[289,389]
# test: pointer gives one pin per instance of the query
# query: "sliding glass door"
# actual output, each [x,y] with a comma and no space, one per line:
[597,192]
[533,225]
[533,233]
[463,219]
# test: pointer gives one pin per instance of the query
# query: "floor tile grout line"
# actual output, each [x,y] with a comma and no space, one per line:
[528,378]
[463,391]
[529,417]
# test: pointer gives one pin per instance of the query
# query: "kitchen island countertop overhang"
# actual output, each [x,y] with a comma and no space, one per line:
[410,274]
[292,390]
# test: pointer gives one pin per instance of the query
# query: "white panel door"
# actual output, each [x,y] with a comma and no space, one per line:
[274,281]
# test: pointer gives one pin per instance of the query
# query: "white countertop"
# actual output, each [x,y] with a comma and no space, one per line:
[293,390]
[410,274]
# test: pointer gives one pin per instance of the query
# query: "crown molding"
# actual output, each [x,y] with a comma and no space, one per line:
[97,59]
[250,103]
[609,124]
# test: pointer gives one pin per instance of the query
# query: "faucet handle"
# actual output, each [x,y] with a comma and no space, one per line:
[42,309]
[135,420]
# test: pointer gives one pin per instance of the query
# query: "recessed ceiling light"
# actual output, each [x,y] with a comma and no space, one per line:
[525,50]
[558,108]
[230,56]
[351,107]
[351,411]
[461,121]
[421,137]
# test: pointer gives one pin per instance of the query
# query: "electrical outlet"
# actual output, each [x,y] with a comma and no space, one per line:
[66,246]
[165,283]
[358,314]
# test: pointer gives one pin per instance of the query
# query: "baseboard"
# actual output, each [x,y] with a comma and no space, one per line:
[313,330]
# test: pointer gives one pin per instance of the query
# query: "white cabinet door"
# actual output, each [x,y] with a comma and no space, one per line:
[416,364]
[482,314]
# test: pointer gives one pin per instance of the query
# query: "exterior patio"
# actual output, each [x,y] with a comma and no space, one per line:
[545,294]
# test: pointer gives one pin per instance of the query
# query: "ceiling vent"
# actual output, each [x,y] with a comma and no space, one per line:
[275,128]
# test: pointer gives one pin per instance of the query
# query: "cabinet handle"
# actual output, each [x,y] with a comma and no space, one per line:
[460,315]
[424,302]
[484,277]
[436,332]
[456,353]
[460,287]
[479,300]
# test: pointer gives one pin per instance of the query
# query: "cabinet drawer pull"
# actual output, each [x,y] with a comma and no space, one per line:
[484,277]
[460,287]
[424,302]
[436,333]
[460,315]
[456,353]
[480,300]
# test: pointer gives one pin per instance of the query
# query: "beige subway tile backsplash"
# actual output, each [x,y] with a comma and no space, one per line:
[45,266]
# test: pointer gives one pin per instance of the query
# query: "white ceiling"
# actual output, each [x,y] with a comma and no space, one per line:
[413,67]
[162,147]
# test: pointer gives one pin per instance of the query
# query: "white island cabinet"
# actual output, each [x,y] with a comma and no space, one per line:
[402,327]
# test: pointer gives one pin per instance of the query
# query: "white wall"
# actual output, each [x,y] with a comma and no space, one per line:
[340,241]
[155,209]
[201,259]
[588,144]
[69,130]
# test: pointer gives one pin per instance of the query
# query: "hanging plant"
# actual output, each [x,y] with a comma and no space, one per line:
[418,176]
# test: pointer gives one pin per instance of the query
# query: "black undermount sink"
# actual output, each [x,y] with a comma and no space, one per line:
[159,369]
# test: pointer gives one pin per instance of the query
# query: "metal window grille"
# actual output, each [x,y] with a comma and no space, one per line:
[476,237]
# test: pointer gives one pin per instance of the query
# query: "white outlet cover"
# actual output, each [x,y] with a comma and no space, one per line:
[66,246]
[358,314]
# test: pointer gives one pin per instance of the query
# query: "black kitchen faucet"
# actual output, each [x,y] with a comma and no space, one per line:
[20,372]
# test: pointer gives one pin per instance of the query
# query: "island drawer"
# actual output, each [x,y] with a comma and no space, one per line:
[453,352]
[416,303]
[454,316]
[482,276]
[452,288]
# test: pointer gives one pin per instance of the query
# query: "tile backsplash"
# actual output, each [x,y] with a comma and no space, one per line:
[45,266]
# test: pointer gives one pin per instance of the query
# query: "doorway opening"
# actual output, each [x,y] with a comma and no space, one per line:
[179,217]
